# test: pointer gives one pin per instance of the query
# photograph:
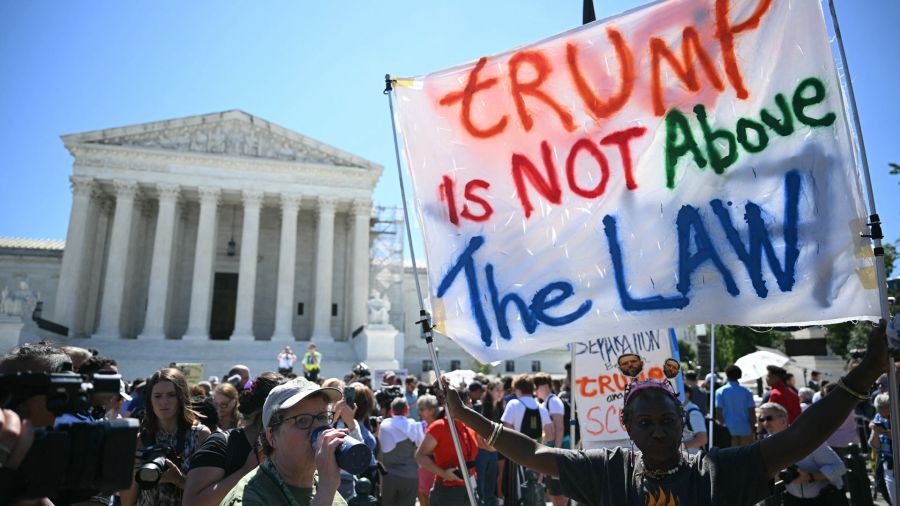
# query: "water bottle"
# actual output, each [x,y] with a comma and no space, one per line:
[352,456]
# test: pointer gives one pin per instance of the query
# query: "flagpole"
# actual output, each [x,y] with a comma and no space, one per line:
[573,413]
[712,388]
[875,234]
[425,318]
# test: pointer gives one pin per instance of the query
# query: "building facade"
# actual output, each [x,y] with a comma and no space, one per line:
[219,239]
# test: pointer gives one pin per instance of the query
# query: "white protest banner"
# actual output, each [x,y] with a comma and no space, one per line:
[686,162]
[599,386]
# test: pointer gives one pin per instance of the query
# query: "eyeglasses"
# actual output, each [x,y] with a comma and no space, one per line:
[304,421]
[767,418]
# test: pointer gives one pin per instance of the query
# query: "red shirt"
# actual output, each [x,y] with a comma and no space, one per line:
[445,454]
[787,398]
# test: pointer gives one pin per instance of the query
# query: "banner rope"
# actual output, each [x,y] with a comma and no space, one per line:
[425,320]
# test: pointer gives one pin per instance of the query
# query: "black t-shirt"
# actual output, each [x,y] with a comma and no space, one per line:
[225,450]
[607,478]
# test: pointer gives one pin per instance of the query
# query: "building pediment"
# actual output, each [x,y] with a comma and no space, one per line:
[231,134]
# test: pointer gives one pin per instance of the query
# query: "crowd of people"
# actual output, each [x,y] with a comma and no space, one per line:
[280,438]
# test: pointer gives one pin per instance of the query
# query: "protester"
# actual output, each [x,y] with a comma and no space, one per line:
[286,361]
[814,378]
[226,399]
[486,469]
[699,396]
[880,441]
[169,421]
[695,435]
[355,419]
[399,437]
[243,373]
[782,393]
[411,393]
[736,409]
[805,395]
[312,363]
[819,475]
[295,472]
[428,412]
[476,391]
[525,415]
[225,457]
[556,410]
[846,434]
[437,455]
[660,474]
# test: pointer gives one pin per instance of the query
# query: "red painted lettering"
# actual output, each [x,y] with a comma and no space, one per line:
[690,44]
[621,139]
[548,188]
[595,106]
[583,384]
[446,191]
[725,32]
[605,384]
[612,419]
[471,196]
[468,93]
[594,421]
[542,67]
[594,151]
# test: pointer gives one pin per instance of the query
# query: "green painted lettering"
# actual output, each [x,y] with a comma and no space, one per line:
[676,121]
[762,138]
[718,162]
[801,102]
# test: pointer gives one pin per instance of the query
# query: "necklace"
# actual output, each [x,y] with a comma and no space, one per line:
[660,473]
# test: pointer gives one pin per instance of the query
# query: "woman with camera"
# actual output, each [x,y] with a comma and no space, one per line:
[815,479]
[172,427]
[225,457]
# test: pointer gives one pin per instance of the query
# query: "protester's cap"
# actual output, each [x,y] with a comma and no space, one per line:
[712,378]
[475,386]
[289,394]
[123,392]
[213,379]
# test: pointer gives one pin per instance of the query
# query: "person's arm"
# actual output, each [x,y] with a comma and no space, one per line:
[874,440]
[558,432]
[207,486]
[698,441]
[425,459]
[720,416]
[516,446]
[751,414]
[698,437]
[327,468]
[821,419]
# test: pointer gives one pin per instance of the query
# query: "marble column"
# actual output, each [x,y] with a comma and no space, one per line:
[287,261]
[68,294]
[161,263]
[243,318]
[120,238]
[205,253]
[324,268]
[94,269]
[359,289]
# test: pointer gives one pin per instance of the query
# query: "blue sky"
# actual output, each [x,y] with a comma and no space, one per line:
[313,67]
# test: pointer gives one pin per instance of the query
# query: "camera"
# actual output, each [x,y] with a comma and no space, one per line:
[154,466]
[789,474]
[71,459]
[386,394]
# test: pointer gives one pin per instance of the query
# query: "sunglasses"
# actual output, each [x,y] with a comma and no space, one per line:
[767,418]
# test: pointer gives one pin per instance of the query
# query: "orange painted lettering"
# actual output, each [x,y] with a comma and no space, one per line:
[597,107]
[690,48]
[725,32]
[473,86]
[542,67]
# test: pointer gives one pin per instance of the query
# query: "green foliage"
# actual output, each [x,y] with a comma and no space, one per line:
[890,257]
[478,367]
[686,352]
[895,169]
[846,336]
[733,342]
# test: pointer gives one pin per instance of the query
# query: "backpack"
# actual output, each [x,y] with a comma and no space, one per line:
[721,434]
[567,417]
[531,424]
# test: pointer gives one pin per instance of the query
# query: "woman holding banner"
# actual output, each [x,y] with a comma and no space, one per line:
[661,473]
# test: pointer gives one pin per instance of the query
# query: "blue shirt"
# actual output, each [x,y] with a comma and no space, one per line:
[735,402]
[885,450]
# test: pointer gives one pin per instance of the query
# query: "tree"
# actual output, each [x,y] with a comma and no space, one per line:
[733,342]
[895,169]
[687,353]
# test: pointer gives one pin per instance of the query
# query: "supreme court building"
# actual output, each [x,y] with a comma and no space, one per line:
[219,239]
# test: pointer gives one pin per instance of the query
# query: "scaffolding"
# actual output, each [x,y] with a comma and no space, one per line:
[386,260]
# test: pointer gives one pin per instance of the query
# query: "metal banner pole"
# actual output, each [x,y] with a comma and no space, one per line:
[712,388]
[573,415]
[875,234]
[425,318]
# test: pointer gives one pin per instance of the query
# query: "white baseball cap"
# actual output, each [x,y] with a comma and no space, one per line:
[289,394]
